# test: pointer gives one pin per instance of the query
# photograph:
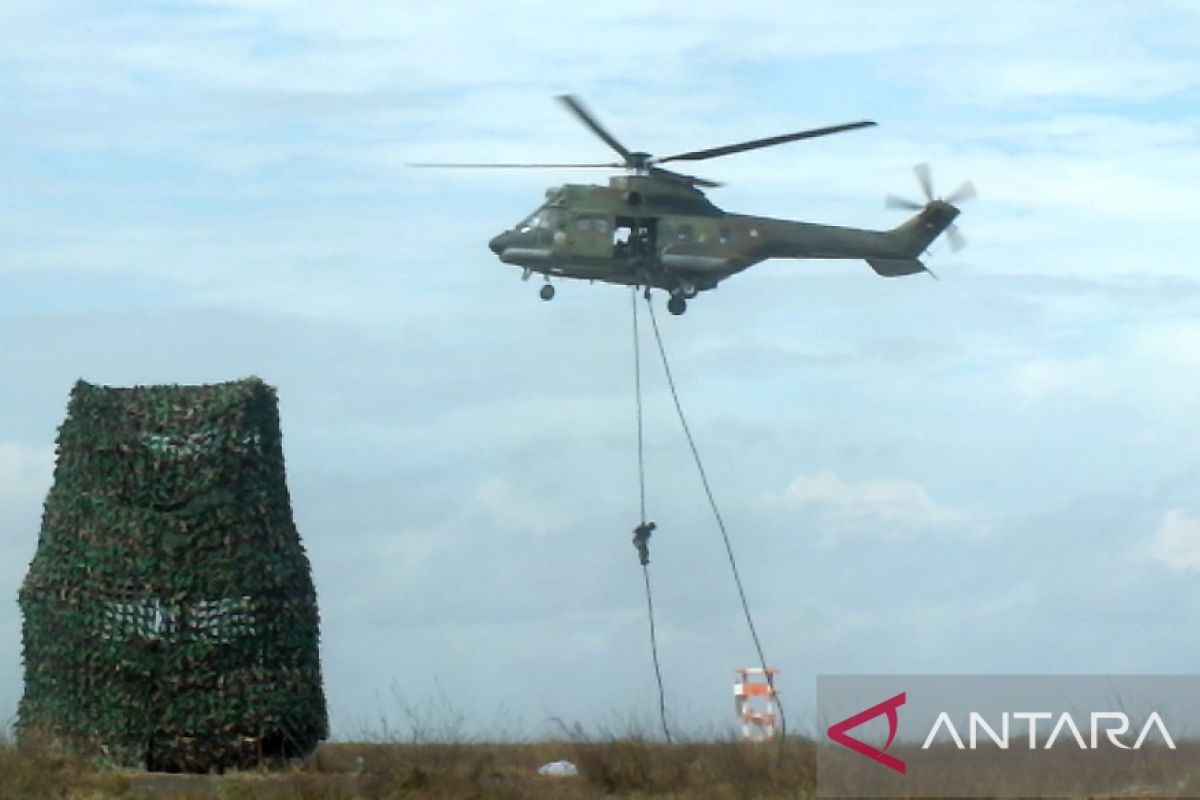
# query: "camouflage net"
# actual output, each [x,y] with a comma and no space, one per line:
[170,619]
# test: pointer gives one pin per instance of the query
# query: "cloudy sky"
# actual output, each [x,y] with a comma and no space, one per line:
[995,472]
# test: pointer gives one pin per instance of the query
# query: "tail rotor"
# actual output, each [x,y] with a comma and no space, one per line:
[964,193]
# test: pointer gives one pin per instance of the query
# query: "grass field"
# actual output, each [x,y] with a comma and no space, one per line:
[625,767]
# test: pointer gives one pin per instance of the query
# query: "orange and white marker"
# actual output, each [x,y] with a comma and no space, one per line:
[754,701]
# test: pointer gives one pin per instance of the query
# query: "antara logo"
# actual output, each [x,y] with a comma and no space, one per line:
[838,732]
[1064,727]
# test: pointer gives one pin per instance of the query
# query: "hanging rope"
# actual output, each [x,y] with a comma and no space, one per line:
[711,502]
[637,394]
[662,699]
[641,535]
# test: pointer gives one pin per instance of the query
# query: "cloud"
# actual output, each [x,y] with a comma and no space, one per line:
[1147,369]
[1176,543]
[25,472]
[882,506]
[509,508]
[25,475]
[1044,378]
[1175,344]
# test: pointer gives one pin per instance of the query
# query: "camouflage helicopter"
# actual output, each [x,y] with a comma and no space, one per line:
[655,228]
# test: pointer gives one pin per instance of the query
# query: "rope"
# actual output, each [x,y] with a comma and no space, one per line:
[662,699]
[637,393]
[637,383]
[712,502]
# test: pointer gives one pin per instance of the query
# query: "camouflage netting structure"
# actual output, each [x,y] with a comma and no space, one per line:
[170,619]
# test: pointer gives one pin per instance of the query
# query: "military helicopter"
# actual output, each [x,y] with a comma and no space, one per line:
[655,228]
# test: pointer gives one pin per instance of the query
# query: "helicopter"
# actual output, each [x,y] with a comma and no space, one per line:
[653,227]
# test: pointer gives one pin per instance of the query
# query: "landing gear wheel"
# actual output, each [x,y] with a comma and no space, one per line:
[547,292]
[676,305]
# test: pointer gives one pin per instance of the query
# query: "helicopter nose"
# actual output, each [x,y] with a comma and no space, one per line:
[498,242]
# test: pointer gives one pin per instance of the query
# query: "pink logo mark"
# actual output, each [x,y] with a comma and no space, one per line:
[838,732]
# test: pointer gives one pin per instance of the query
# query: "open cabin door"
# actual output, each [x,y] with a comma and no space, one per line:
[635,238]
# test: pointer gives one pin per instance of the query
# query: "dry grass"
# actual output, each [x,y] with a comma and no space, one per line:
[625,767]
[32,774]
[614,767]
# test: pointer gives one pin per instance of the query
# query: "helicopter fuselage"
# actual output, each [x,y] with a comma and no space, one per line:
[649,231]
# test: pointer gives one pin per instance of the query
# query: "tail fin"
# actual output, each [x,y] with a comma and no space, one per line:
[915,235]
[912,238]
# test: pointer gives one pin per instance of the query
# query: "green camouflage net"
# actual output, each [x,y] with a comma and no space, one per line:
[170,619]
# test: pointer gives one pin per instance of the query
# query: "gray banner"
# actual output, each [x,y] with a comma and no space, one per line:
[1008,736]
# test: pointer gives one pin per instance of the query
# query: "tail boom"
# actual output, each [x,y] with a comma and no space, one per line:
[890,253]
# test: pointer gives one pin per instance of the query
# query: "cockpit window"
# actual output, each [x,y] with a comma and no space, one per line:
[547,217]
[530,222]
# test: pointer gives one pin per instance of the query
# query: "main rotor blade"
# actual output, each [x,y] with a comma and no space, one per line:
[586,117]
[891,201]
[925,179]
[688,179]
[713,152]
[962,194]
[459,165]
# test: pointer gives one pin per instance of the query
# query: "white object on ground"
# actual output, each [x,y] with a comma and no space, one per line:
[558,768]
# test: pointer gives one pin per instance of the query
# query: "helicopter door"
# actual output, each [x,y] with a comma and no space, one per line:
[622,238]
[634,238]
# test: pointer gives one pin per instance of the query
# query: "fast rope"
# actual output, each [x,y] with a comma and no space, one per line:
[712,502]
[641,534]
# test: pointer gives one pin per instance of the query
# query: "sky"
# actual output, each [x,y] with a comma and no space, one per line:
[995,472]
